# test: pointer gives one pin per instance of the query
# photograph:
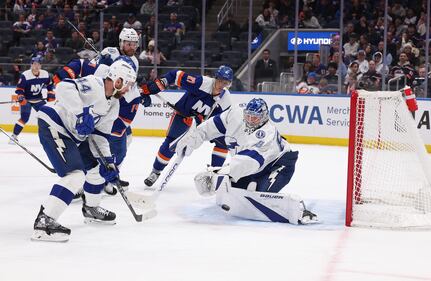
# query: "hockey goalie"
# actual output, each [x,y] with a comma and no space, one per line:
[261,165]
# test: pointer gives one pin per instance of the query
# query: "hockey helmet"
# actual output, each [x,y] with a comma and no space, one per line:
[224,73]
[123,70]
[255,114]
[37,59]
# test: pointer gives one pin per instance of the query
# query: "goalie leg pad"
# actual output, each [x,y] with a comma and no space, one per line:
[261,206]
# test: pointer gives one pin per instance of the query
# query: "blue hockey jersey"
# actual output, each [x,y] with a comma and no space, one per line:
[198,98]
[31,86]
[75,68]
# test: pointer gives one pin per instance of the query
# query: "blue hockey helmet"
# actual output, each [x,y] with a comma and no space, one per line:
[255,114]
[224,73]
[37,59]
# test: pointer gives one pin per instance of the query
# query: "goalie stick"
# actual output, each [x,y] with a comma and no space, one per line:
[52,170]
[137,217]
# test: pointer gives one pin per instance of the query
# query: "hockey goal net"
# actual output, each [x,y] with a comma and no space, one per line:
[389,173]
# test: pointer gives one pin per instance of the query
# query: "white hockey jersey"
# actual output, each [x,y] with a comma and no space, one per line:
[251,153]
[72,96]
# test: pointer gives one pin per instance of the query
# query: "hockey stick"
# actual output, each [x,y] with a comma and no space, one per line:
[137,217]
[15,101]
[52,170]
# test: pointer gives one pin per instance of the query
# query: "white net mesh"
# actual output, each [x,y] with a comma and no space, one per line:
[391,178]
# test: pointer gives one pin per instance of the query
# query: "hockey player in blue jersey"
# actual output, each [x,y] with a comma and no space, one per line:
[204,97]
[29,91]
[262,163]
[75,68]
[85,110]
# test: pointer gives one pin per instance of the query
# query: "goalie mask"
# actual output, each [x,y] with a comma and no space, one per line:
[255,114]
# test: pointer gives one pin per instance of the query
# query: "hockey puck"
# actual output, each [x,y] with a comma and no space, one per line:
[225,207]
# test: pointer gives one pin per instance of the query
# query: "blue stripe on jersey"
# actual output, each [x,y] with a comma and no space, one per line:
[219,124]
[253,154]
[269,213]
[56,118]
[62,193]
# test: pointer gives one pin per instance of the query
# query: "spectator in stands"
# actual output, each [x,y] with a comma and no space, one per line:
[325,88]
[108,34]
[68,13]
[18,8]
[363,63]
[50,41]
[310,86]
[21,28]
[87,16]
[318,67]
[266,19]
[40,23]
[31,18]
[389,56]
[371,80]
[332,76]
[351,47]
[132,22]
[95,36]
[75,42]
[351,76]
[410,18]
[341,68]
[306,68]
[231,26]
[398,10]
[412,57]
[148,8]
[265,68]
[149,53]
[50,61]
[273,10]
[380,67]
[309,20]
[16,70]
[350,29]
[175,27]
[421,27]
[39,50]
[419,84]
[148,31]
[82,28]
[404,67]
[362,26]
[127,7]
[61,30]
[50,18]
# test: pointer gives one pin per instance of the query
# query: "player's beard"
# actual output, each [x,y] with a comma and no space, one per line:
[117,94]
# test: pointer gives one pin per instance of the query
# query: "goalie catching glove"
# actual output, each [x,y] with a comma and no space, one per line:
[208,182]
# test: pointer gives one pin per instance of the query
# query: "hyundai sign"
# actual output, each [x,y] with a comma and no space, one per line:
[309,40]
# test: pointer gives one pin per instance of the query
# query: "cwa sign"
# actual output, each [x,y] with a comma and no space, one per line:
[308,40]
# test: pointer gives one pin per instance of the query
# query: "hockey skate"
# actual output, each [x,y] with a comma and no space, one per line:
[97,215]
[152,178]
[13,137]
[78,195]
[47,229]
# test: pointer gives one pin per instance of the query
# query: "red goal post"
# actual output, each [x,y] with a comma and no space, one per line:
[389,171]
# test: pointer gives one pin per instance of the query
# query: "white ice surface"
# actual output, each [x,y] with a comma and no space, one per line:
[191,239]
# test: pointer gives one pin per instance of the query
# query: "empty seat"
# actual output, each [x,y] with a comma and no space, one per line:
[28,42]
[180,55]
[241,46]
[63,51]
[244,36]
[223,38]
[6,24]
[190,45]
[193,35]
[212,46]
[170,63]
[15,52]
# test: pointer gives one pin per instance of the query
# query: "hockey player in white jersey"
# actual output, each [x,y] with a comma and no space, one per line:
[85,110]
[262,163]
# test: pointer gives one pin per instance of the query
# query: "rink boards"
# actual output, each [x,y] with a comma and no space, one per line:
[312,119]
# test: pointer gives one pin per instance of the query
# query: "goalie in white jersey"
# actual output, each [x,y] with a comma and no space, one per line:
[83,115]
[262,163]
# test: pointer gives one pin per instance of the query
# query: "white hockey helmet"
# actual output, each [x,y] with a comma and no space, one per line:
[123,70]
[128,34]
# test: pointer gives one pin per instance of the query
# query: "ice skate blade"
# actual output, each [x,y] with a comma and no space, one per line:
[40,235]
[306,220]
[100,222]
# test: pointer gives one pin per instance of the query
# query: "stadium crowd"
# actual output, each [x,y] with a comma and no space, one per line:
[40,28]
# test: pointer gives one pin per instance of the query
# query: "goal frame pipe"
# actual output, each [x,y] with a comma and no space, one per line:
[353,125]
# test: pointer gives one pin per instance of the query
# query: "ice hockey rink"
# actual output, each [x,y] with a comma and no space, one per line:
[192,239]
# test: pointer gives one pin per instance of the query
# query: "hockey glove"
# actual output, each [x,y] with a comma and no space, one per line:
[85,123]
[154,87]
[192,140]
[51,97]
[21,99]
[145,100]
[110,172]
